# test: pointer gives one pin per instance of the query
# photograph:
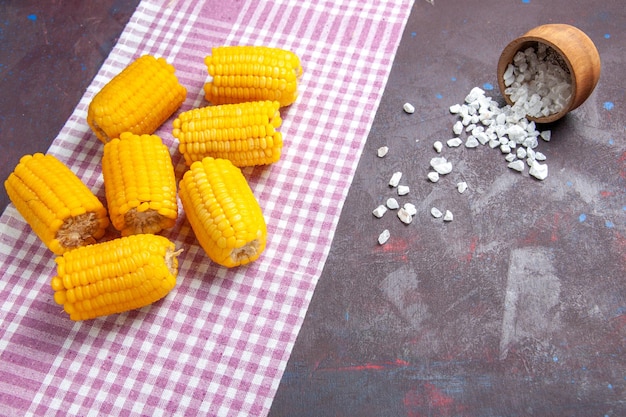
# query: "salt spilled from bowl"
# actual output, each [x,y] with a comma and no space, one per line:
[577,52]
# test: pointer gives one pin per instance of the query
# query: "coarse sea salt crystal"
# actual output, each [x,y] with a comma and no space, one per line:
[448,217]
[455,109]
[461,187]
[404,216]
[410,208]
[539,171]
[382,151]
[545,135]
[436,213]
[408,108]
[392,203]
[441,165]
[474,94]
[433,176]
[384,237]
[403,189]
[454,142]
[438,146]
[379,211]
[395,179]
[458,127]
[517,165]
[471,142]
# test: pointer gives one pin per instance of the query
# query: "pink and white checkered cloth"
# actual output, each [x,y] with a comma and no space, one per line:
[218,343]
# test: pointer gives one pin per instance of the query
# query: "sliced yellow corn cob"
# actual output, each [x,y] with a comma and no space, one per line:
[244,133]
[223,212]
[57,205]
[139,99]
[140,184]
[250,73]
[115,276]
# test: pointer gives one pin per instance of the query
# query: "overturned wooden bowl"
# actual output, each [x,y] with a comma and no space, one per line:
[577,51]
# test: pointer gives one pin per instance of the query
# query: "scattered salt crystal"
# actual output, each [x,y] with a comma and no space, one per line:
[474,95]
[521,152]
[545,135]
[539,156]
[448,217]
[461,187]
[384,237]
[382,151]
[379,211]
[441,165]
[409,108]
[471,142]
[517,165]
[392,203]
[458,127]
[435,212]
[410,208]
[505,148]
[539,171]
[438,146]
[403,190]
[481,137]
[454,142]
[516,133]
[494,143]
[433,176]
[404,216]
[510,157]
[455,109]
[395,179]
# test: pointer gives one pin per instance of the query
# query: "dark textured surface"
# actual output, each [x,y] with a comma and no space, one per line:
[49,53]
[518,306]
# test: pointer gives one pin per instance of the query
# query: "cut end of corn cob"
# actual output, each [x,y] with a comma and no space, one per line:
[223,212]
[140,184]
[115,276]
[58,206]
[252,73]
[243,133]
[139,99]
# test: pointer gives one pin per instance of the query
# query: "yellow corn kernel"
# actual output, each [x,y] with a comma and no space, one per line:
[57,205]
[140,184]
[252,73]
[115,276]
[244,133]
[223,212]
[139,99]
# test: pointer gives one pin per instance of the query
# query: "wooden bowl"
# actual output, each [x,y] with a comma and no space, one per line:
[578,52]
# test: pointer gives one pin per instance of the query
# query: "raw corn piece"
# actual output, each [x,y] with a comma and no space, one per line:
[139,99]
[140,184]
[115,276]
[251,73]
[244,133]
[223,212]
[58,206]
